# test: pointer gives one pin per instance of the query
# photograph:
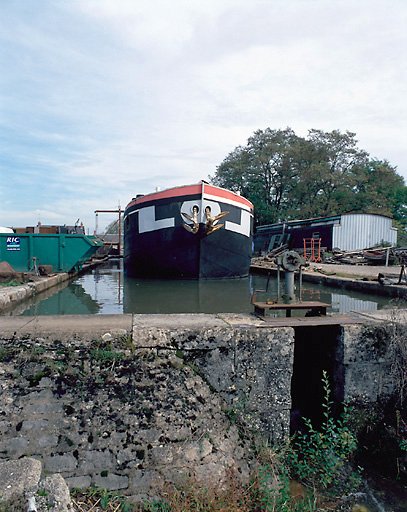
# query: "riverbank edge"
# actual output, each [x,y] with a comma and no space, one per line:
[350,283]
[10,296]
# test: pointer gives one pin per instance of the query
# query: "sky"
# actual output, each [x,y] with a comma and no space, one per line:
[101,100]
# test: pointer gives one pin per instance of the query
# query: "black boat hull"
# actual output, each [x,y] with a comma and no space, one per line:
[157,243]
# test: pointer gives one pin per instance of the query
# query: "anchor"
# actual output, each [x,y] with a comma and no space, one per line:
[192,229]
[209,226]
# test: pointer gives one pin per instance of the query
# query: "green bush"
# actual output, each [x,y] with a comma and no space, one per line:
[321,458]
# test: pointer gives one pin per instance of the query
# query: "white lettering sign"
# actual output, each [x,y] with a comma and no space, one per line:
[13,243]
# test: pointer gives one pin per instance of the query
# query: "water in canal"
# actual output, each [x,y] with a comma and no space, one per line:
[106,290]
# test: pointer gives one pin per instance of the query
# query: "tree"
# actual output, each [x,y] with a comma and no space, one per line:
[379,189]
[265,171]
[305,198]
[233,172]
[113,227]
[286,176]
[338,157]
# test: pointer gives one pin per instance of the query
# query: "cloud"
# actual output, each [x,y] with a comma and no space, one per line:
[157,27]
[105,99]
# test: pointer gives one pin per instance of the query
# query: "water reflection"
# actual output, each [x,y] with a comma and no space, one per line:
[217,296]
[107,291]
[71,300]
[344,303]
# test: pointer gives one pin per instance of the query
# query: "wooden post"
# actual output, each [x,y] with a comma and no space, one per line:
[120,230]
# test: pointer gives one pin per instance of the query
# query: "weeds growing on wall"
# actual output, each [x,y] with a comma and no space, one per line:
[260,494]
[398,351]
[320,458]
[10,282]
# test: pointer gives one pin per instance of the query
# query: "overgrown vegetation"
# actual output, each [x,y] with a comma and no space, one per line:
[15,504]
[320,458]
[10,282]
[262,493]
[96,499]
[398,351]
[382,431]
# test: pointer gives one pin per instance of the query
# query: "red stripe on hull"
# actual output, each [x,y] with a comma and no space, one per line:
[189,190]
[226,194]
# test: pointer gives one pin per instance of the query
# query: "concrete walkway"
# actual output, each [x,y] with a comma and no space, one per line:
[63,327]
[10,296]
[93,327]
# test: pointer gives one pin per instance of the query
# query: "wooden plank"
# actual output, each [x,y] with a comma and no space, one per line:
[295,305]
[314,306]
[314,321]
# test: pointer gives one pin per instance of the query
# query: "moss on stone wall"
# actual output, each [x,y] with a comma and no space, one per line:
[102,414]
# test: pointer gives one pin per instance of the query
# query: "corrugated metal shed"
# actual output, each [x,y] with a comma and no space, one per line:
[357,231]
[347,232]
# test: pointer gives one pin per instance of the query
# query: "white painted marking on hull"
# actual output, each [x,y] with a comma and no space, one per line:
[227,201]
[187,207]
[147,221]
[244,227]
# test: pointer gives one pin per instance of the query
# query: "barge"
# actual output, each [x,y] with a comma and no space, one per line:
[189,232]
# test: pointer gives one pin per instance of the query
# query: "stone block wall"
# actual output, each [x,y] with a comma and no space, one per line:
[129,413]
[249,367]
[368,360]
[127,416]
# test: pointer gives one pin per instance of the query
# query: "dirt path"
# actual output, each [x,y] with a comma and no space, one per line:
[366,271]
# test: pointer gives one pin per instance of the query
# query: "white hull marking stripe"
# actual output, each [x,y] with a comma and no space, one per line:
[147,221]
[221,199]
[244,227]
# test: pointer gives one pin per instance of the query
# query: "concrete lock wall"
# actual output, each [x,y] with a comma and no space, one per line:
[128,413]
[368,359]
[249,368]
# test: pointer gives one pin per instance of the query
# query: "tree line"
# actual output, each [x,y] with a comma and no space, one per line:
[290,177]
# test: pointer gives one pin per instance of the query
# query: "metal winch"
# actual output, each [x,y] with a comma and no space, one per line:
[290,262]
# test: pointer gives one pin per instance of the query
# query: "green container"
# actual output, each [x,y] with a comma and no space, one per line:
[65,253]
